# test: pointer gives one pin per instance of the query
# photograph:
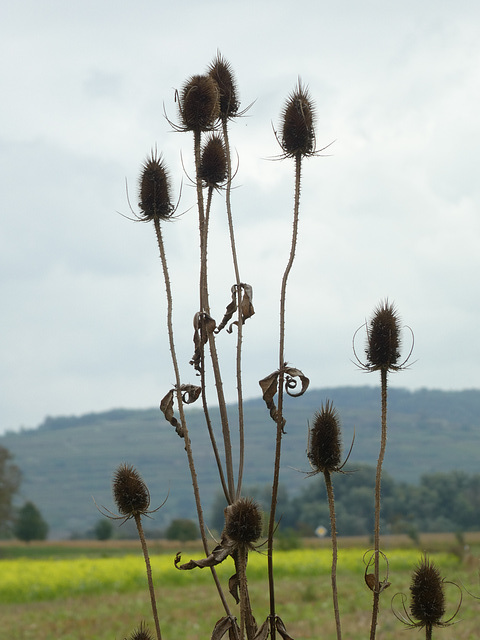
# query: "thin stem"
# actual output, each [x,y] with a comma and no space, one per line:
[241,430]
[205,307]
[428,631]
[281,378]
[153,601]
[188,446]
[333,526]
[378,480]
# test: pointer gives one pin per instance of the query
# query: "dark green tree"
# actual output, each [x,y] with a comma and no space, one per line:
[30,524]
[182,529]
[10,477]
[103,530]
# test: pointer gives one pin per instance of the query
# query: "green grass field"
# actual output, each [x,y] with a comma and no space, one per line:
[71,593]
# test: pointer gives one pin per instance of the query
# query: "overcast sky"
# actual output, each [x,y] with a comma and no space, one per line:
[392,212]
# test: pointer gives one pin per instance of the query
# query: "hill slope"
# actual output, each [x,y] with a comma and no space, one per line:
[67,460]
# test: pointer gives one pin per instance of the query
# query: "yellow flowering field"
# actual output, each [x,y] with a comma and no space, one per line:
[27,580]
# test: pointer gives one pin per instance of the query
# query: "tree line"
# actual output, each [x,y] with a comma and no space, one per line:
[440,502]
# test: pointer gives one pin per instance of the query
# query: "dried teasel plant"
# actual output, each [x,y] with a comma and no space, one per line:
[427,599]
[382,354]
[132,498]
[324,453]
[142,633]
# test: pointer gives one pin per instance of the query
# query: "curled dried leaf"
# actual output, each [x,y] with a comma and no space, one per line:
[190,393]
[246,307]
[269,386]
[217,556]
[203,325]
[264,630]
[279,624]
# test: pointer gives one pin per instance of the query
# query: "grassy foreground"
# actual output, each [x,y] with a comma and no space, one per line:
[100,598]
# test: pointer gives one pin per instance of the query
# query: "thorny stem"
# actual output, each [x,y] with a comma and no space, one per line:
[428,631]
[247,621]
[239,311]
[333,526]
[141,535]
[205,307]
[281,377]
[188,447]
[378,480]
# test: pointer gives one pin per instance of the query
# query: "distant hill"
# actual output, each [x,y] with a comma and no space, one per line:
[67,460]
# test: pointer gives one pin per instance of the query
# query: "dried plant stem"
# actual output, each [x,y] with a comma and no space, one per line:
[247,621]
[205,307]
[281,379]
[333,526]
[241,430]
[428,631]
[141,535]
[188,447]
[378,480]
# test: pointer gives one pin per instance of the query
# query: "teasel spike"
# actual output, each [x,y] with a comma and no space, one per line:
[142,633]
[199,104]
[243,522]
[154,190]
[221,72]
[130,492]
[324,442]
[383,338]
[427,603]
[297,136]
[213,162]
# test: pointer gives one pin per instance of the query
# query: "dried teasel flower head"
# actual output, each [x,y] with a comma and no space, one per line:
[142,633]
[154,190]
[324,440]
[130,492]
[298,119]
[243,521]
[427,605]
[383,339]
[213,162]
[221,71]
[199,103]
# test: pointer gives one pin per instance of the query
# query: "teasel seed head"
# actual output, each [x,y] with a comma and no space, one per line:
[221,71]
[199,103]
[298,120]
[213,162]
[154,190]
[243,521]
[383,339]
[427,604]
[324,442]
[142,633]
[130,492]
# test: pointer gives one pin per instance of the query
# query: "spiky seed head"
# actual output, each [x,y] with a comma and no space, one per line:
[213,162]
[221,71]
[130,491]
[298,120]
[383,338]
[427,604]
[324,443]
[243,521]
[199,103]
[154,190]
[142,633]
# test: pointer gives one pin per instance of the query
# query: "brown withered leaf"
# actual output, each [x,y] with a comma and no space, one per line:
[227,623]
[246,307]
[233,586]
[203,326]
[281,629]
[190,393]
[264,631]
[269,386]
[218,555]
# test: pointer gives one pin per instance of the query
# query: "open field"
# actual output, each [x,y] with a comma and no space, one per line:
[87,596]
